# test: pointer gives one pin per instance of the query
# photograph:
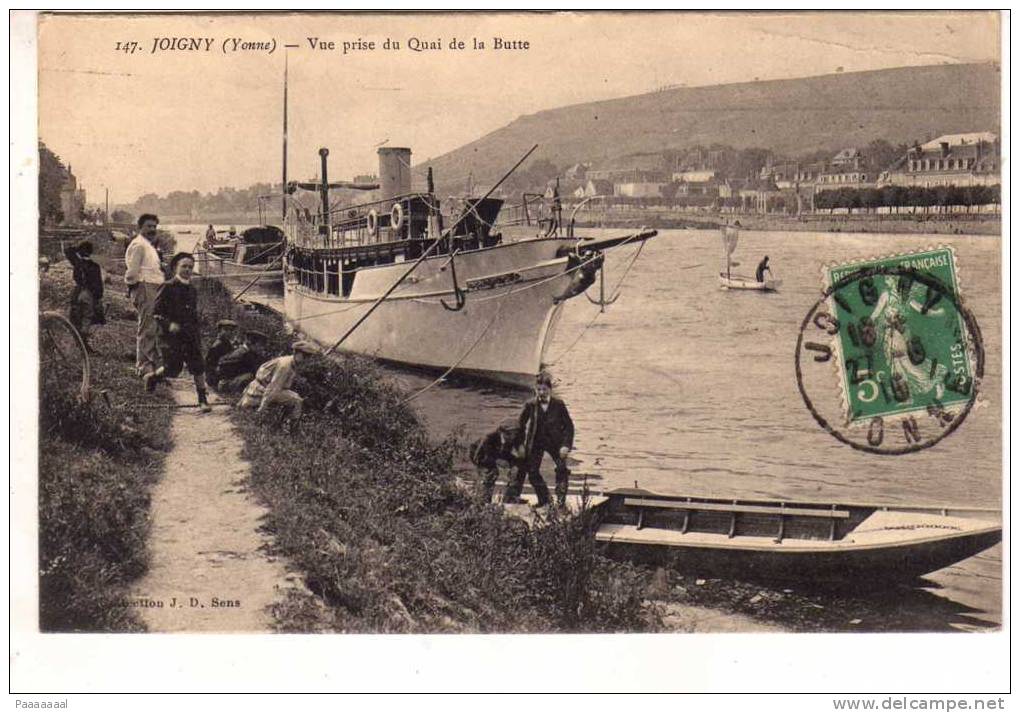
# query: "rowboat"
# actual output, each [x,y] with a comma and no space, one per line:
[728,280]
[739,282]
[768,539]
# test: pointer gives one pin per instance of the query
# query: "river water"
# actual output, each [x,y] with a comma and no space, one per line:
[685,388]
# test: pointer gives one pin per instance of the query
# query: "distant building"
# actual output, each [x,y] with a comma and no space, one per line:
[704,187]
[731,187]
[598,187]
[639,189]
[699,175]
[72,200]
[793,174]
[849,168]
[757,194]
[950,160]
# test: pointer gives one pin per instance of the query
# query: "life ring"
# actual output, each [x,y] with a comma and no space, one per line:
[397,216]
[373,222]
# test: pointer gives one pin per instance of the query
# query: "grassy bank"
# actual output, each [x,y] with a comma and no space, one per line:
[97,463]
[363,502]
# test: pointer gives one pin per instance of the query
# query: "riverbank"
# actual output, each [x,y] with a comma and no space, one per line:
[362,491]
[916,223]
[97,465]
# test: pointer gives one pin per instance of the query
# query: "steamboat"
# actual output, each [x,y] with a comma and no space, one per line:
[398,279]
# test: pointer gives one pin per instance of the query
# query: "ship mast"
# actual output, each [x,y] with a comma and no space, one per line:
[283,198]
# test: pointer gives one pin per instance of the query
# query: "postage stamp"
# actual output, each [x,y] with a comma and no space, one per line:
[904,349]
[901,342]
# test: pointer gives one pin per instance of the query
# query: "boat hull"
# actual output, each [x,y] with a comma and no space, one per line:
[894,562]
[737,282]
[793,541]
[501,333]
[235,274]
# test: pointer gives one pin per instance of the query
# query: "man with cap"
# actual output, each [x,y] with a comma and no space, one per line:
[225,342]
[486,453]
[236,369]
[544,426]
[87,297]
[273,381]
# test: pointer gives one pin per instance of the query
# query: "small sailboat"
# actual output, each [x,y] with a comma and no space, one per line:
[729,280]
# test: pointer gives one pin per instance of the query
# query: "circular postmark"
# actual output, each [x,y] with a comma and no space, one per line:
[889,360]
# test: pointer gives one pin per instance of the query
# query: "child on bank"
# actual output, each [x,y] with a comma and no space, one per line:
[176,312]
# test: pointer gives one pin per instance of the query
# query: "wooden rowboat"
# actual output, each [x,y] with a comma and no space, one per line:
[793,540]
[738,282]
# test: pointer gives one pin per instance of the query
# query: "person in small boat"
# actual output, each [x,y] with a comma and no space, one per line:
[176,313]
[487,452]
[237,369]
[763,267]
[273,380]
[544,426]
[86,307]
[225,342]
[210,237]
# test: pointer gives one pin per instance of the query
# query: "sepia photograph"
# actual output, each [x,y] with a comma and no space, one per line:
[544,323]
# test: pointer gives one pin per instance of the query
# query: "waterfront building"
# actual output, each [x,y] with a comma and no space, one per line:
[951,160]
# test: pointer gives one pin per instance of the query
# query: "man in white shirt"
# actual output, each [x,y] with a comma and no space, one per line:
[144,275]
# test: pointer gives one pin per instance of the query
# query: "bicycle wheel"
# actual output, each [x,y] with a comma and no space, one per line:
[63,359]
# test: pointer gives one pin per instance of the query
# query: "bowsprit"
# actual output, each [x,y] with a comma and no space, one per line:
[181,44]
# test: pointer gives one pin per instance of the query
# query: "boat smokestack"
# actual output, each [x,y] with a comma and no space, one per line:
[324,192]
[394,172]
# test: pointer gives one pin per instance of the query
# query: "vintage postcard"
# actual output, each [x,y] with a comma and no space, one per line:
[549,324]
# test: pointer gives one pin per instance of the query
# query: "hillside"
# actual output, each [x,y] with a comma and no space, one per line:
[791,117]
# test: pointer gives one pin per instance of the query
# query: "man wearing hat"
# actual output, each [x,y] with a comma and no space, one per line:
[87,297]
[237,369]
[486,453]
[273,381]
[225,342]
[544,426]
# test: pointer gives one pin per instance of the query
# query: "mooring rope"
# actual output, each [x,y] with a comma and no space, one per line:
[441,377]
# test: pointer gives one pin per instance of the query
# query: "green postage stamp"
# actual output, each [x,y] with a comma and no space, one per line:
[900,334]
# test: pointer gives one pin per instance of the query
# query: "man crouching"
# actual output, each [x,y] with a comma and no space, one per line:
[273,382]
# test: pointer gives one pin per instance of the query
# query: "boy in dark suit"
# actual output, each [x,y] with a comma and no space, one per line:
[545,427]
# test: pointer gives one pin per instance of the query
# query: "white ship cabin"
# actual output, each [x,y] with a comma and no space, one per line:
[328,246]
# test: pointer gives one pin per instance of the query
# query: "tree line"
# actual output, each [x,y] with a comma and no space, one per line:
[894,197]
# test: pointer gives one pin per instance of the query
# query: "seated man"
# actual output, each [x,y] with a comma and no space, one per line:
[486,453]
[236,369]
[225,342]
[272,382]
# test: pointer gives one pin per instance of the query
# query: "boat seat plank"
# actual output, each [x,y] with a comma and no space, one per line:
[718,507]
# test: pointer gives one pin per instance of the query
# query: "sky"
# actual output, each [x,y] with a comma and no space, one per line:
[199,120]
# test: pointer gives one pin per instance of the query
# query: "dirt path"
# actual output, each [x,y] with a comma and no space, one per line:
[209,569]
